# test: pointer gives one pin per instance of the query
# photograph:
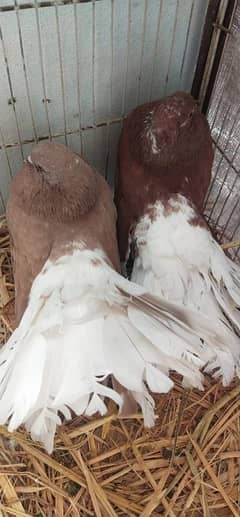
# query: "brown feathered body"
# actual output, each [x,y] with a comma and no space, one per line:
[56,199]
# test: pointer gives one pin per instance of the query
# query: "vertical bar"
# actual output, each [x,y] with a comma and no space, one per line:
[220,161]
[25,69]
[142,49]
[78,72]
[219,164]
[61,72]
[172,45]
[111,95]
[205,46]
[127,64]
[231,4]
[41,66]
[11,91]
[5,152]
[224,228]
[221,96]
[93,71]
[234,231]
[93,62]
[186,42]
[4,188]
[155,49]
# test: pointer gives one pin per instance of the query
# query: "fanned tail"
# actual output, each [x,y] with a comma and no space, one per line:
[178,259]
[85,324]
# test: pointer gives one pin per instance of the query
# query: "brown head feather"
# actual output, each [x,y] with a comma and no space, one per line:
[161,129]
[56,183]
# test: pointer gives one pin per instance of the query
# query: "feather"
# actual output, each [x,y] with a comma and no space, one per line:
[181,262]
[117,347]
[84,324]
[147,405]
[157,381]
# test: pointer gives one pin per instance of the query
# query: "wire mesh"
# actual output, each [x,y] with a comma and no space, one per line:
[71,70]
[222,202]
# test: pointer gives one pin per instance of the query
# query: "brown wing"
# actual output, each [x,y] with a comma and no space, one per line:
[31,245]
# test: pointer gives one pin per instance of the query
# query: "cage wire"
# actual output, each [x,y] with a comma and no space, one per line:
[72,69]
[222,206]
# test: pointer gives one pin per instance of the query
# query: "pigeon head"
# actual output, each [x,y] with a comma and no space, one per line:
[56,183]
[167,131]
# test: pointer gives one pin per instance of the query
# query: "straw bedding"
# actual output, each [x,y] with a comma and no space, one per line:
[188,465]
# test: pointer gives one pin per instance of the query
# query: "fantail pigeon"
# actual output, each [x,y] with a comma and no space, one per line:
[80,323]
[165,159]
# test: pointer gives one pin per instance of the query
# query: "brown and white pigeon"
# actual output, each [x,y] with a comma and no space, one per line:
[80,323]
[165,147]
[165,159]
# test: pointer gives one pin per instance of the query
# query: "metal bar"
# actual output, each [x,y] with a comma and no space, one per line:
[227,74]
[142,49]
[42,3]
[155,48]
[8,163]
[78,74]
[93,69]
[172,45]
[229,165]
[219,191]
[224,228]
[3,147]
[11,91]
[127,64]
[231,4]
[235,230]
[223,155]
[222,93]
[93,61]
[25,70]
[61,72]
[236,254]
[61,134]
[42,68]
[205,46]
[186,41]
[212,124]
[111,71]
[211,50]
[111,93]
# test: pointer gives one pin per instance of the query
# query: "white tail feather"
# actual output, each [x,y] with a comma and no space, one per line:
[84,323]
[181,261]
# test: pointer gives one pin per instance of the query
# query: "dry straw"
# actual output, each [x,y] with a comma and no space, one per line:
[188,465]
